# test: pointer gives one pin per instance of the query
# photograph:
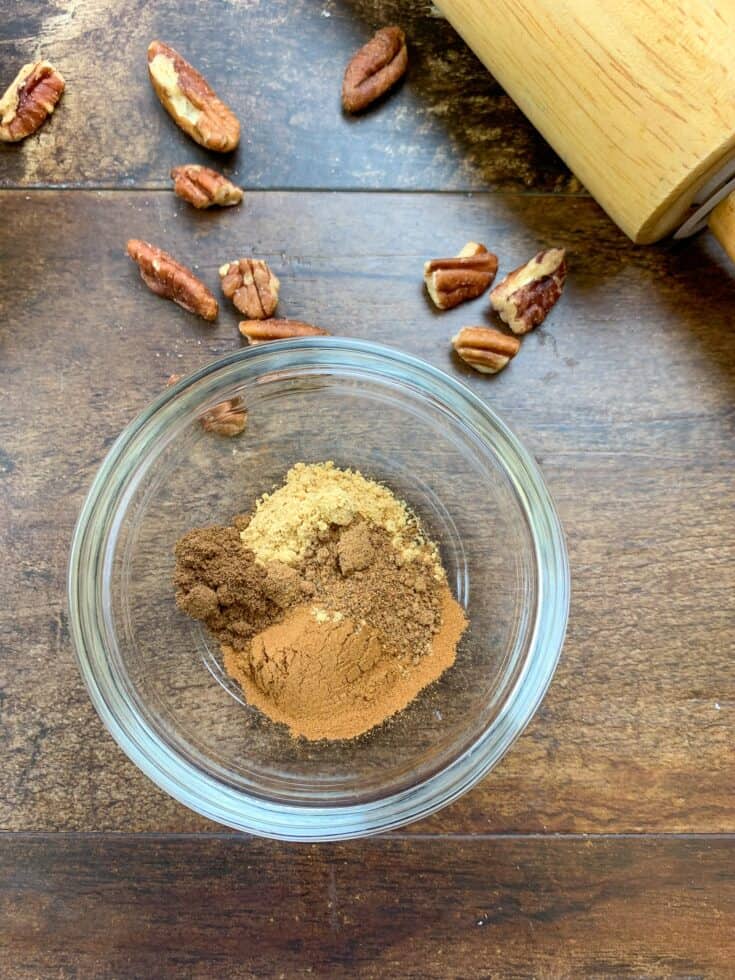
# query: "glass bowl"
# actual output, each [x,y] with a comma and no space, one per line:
[156,677]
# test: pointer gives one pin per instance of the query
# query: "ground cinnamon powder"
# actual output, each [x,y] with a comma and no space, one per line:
[334,678]
[344,634]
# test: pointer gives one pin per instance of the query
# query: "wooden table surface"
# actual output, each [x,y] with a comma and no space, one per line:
[603,844]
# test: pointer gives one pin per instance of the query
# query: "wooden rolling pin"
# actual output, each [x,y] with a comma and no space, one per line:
[636,96]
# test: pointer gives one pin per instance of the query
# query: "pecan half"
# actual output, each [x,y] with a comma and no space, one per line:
[527,294]
[204,187]
[190,101]
[262,331]
[251,286]
[168,278]
[229,418]
[485,349]
[30,100]
[374,69]
[464,277]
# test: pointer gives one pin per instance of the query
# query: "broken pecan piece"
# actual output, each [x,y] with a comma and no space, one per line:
[204,187]
[30,100]
[190,101]
[485,349]
[464,277]
[229,418]
[262,331]
[527,294]
[374,68]
[251,286]
[168,278]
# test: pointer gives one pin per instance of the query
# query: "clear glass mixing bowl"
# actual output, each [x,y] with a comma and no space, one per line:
[155,676]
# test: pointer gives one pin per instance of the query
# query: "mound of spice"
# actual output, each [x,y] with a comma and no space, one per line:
[330,604]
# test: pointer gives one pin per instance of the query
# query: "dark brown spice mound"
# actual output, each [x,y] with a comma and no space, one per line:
[219,582]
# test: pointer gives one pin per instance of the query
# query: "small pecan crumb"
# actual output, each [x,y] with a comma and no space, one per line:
[228,418]
[251,286]
[485,349]
[374,69]
[204,187]
[173,379]
[30,100]
[168,278]
[455,280]
[527,294]
[262,331]
[190,101]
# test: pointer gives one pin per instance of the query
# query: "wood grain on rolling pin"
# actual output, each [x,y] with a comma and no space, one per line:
[638,100]
[722,224]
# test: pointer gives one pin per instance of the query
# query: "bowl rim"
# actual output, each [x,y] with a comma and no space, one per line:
[235,808]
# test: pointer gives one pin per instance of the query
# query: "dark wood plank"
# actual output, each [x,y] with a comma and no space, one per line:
[279,64]
[131,906]
[625,395]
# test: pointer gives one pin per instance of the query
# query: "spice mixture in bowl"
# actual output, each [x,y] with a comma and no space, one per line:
[331,606]
[335,621]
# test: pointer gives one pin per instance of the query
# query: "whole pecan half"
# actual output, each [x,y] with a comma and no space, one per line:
[30,100]
[168,278]
[204,187]
[485,349]
[228,418]
[262,331]
[374,69]
[190,101]
[527,294]
[251,286]
[464,277]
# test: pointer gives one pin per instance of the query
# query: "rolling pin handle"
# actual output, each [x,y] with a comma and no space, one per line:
[722,224]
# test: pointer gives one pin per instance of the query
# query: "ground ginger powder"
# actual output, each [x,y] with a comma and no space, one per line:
[315,496]
[331,606]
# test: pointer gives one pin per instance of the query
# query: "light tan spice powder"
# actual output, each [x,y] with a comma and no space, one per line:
[317,495]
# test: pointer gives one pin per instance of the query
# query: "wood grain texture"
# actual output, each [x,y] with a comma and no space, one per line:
[641,103]
[721,223]
[625,396]
[279,64]
[127,906]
